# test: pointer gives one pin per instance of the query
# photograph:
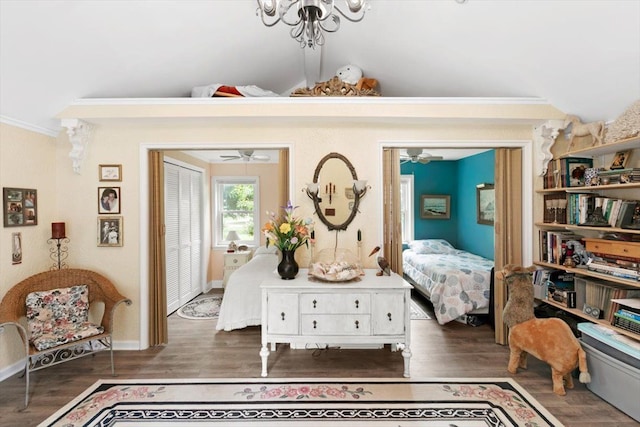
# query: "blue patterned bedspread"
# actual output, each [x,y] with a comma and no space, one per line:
[456,283]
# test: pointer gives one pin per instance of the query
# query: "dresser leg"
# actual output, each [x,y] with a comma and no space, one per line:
[406,354]
[264,354]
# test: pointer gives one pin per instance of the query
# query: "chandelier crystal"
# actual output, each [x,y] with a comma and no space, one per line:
[310,19]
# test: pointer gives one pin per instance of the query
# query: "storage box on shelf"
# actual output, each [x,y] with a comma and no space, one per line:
[581,209]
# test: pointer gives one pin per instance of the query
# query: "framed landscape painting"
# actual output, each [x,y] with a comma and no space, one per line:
[486,201]
[435,206]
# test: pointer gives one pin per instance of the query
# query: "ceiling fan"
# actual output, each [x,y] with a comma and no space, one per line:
[247,156]
[415,155]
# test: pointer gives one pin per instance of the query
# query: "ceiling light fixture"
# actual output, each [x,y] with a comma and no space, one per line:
[310,18]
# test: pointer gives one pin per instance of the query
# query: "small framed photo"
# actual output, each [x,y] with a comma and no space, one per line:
[486,203]
[435,206]
[110,172]
[110,231]
[620,160]
[20,206]
[108,200]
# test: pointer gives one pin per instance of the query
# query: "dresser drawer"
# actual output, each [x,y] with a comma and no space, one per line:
[236,259]
[611,247]
[335,303]
[335,324]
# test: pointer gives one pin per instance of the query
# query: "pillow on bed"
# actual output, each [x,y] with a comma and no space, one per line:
[432,246]
[260,250]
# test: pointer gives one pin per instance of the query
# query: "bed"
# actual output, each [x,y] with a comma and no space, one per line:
[241,302]
[455,281]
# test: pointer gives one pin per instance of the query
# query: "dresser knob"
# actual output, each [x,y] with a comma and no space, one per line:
[314,303]
[235,261]
[357,304]
[389,316]
[357,325]
[282,315]
[315,324]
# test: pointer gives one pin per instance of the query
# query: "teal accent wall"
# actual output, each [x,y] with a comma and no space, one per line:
[473,237]
[457,179]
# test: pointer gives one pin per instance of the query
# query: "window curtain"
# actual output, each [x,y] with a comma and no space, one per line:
[392,240]
[158,333]
[507,227]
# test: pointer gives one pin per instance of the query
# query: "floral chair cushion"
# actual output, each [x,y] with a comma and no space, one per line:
[59,316]
[432,246]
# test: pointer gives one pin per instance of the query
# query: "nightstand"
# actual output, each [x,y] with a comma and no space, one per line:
[233,261]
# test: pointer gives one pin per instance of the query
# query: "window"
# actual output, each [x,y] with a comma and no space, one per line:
[406,207]
[236,204]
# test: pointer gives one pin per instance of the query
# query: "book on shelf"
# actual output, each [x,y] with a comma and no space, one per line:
[602,295]
[614,269]
[553,245]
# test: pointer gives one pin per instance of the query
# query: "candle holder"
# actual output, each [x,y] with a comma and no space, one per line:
[59,252]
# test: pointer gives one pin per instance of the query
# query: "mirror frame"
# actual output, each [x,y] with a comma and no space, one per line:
[356,202]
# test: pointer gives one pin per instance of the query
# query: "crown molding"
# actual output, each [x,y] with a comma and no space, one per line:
[28,126]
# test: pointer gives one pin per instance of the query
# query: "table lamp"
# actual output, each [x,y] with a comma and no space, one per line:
[231,237]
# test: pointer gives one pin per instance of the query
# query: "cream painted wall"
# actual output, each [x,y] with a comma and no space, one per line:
[27,160]
[119,142]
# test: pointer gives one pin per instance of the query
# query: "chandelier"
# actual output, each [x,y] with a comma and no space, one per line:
[309,19]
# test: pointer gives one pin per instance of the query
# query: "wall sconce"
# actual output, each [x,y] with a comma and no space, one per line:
[231,237]
[312,190]
[360,187]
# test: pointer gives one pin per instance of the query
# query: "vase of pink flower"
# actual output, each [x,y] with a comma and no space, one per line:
[287,232]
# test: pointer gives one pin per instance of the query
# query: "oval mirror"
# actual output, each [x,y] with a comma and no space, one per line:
[336,204]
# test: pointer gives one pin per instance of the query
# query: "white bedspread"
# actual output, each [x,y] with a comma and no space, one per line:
[456,283]
[241,302]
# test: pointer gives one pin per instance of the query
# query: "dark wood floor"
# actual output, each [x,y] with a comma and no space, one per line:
[197,350]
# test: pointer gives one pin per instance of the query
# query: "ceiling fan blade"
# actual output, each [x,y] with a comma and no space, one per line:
[424,160]
[261,158]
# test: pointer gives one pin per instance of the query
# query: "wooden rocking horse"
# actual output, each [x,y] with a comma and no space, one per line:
[595,129]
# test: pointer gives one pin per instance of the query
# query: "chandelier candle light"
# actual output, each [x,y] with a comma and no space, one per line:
[309,19]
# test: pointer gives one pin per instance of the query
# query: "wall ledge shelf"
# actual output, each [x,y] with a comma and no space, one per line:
[624,144]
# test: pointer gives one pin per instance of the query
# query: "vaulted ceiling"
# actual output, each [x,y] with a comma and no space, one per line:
[581,56]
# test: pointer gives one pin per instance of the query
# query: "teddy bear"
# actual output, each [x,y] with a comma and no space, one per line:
[352,74]
[550,340]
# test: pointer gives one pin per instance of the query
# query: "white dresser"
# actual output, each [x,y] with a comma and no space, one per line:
[373,310]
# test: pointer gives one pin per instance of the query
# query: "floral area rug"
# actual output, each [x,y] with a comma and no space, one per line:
[202,308]
[471,402]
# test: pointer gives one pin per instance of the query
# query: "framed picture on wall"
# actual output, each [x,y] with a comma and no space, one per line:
[110,172]
[20,206]
[110,231]
[435,206]
[486,202]
[108,200]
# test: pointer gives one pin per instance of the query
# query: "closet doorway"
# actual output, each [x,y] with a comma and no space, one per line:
[183,232]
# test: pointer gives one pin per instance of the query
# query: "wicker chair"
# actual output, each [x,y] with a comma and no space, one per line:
[13,311]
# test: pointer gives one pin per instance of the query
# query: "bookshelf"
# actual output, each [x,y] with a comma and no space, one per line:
[560,209]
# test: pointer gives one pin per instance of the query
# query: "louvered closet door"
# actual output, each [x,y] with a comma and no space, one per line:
[171,220]
[183,237]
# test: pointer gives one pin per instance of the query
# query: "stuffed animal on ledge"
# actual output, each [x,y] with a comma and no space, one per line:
[550,340]
[352,74]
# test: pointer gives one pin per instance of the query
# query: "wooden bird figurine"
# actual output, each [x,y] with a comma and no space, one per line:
[382,263]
